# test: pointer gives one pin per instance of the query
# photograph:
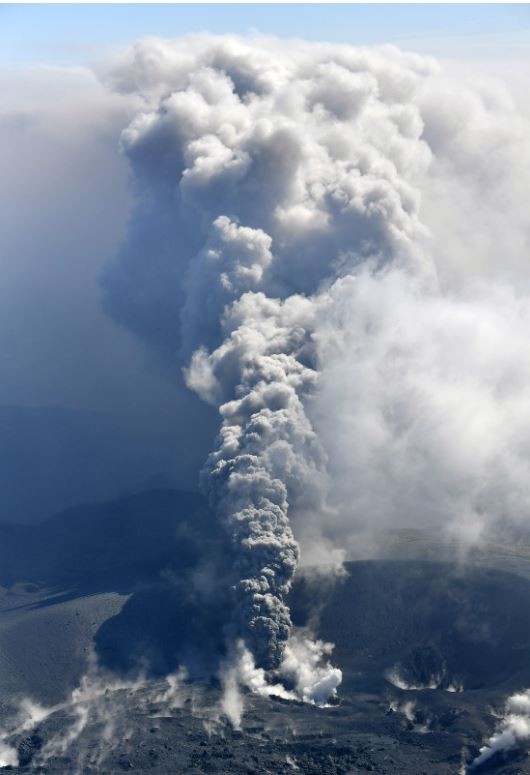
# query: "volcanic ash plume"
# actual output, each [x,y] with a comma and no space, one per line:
[267,450]
[276,245]
[279,169]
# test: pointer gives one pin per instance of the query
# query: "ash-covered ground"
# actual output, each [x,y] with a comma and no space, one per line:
[114,604]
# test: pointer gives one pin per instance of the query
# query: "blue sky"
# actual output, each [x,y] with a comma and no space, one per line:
[75,34]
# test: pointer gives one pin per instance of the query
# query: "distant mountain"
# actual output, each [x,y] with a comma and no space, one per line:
[111,543]
[54,458]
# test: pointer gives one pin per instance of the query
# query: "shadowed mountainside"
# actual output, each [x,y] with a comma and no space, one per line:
[138,579]
[53,458]
[120,542]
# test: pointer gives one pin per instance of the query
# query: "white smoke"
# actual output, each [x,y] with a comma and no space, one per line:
[408,709]
[304,674]
[364,378]
[513,729]
[26,718]
[431,390]
[436,681]
[100,703]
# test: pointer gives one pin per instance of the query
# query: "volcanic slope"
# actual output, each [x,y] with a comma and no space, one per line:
[429,651]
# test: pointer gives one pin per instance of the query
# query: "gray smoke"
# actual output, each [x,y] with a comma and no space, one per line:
[277,251]
[265,445]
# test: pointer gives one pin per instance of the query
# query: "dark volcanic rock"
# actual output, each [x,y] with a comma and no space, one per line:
[453,625]
[141,582]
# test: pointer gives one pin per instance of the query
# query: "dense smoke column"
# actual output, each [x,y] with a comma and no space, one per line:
[267,174]
[266,447]
[254,505]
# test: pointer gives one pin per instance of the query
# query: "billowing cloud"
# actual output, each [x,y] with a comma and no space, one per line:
[431,392]
[311,222]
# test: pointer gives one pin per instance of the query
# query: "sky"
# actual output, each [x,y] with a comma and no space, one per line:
[73,34]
